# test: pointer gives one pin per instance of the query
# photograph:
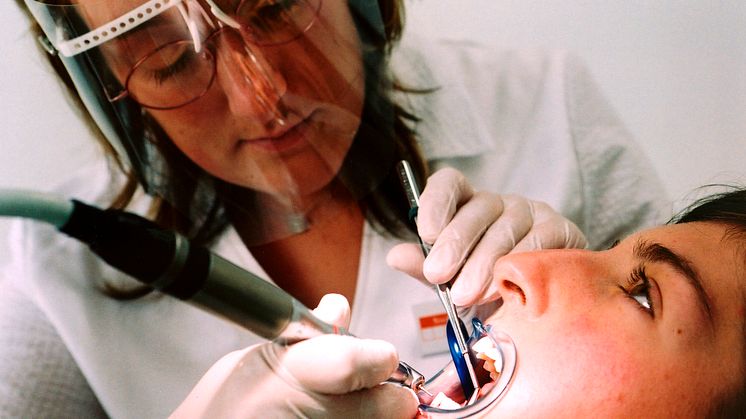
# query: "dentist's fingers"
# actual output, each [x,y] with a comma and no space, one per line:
[473,285]
[333,309]
[470,230]
[407,258]
[524,225]
[457,239]
[550,230]
[341,364]
[446,190]
[454,243]
[328,376]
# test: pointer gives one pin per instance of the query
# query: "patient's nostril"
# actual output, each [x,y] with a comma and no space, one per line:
[512,286]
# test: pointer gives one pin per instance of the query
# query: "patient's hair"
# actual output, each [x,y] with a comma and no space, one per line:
[727,208]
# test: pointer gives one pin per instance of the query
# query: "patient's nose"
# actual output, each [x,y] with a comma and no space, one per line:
[525,280]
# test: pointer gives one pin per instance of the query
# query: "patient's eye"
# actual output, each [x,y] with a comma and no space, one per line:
[638,289]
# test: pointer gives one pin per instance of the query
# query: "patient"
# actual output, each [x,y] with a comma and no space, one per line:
[652,327]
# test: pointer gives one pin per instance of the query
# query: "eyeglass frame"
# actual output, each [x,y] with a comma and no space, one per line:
[135,17]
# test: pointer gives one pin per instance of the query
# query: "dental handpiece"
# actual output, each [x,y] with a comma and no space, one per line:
[168,262]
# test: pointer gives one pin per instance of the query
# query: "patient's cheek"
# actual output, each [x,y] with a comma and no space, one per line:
[599,366]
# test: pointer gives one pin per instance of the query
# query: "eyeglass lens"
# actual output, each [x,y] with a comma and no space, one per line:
[174,74]
[276,22]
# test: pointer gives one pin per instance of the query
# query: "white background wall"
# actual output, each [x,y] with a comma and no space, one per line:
[674,69]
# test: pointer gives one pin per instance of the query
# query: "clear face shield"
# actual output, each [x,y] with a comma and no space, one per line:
[265,105]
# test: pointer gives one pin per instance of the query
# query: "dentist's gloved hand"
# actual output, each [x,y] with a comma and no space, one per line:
[470,230]
[326,377]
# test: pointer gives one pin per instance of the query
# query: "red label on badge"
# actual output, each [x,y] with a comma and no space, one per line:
[433,320]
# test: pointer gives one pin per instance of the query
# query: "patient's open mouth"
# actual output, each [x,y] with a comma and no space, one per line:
[495,353]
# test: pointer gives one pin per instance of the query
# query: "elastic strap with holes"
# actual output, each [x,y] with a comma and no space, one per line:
[116,27]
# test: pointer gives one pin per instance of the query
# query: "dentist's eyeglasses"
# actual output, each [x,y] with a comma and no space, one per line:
[176,74]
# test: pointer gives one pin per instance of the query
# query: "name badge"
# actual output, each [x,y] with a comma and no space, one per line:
[431,321]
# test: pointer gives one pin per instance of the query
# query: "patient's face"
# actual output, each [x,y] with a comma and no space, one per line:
[594,339]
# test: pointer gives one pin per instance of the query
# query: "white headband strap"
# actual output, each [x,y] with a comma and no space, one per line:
[116,27]
[218,13]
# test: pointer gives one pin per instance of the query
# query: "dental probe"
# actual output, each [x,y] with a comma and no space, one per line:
[412,191]
[169,263]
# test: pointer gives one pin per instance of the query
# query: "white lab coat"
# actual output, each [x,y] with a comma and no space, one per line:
[530,122]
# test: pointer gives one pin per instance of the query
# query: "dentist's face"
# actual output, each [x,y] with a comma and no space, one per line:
[653,327]
[277,118]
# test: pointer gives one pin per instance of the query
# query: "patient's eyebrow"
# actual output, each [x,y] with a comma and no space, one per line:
[655,252]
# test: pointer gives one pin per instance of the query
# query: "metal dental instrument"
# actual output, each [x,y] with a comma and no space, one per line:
[169,263]
[412,191]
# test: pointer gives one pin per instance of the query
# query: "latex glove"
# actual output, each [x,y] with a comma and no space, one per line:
[327,376]
[470,230]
